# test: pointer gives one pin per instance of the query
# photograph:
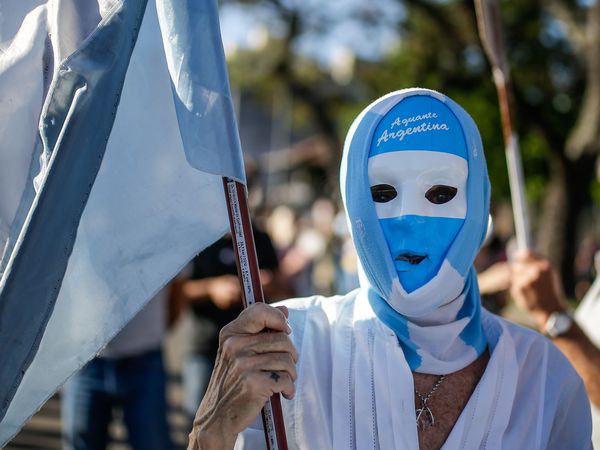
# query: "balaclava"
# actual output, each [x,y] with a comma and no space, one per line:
[415,186]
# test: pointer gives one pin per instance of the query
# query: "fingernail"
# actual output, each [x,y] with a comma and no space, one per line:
[288,329]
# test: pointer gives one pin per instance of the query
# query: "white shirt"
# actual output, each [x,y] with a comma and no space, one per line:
[355,390]
[145,332]
[588,318]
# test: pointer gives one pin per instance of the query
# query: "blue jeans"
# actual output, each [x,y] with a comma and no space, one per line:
[195,377]
[136,384]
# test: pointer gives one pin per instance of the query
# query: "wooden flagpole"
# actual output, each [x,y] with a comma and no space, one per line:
[490,32]
[249,275]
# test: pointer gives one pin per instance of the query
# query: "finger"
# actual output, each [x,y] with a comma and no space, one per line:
[233,285]
[262,385]
[286,313]
[270,343]
[525,267]
[243,368]
[258,317]
[525,277]
[280,382]
[284,310]
[525,255]
[266,276]
[275,362]
[237,345]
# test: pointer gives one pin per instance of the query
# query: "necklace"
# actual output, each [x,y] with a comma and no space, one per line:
[425,418]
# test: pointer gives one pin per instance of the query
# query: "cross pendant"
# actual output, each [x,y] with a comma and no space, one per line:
[425,417]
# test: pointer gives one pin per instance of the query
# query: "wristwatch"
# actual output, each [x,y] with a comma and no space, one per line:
[558,324]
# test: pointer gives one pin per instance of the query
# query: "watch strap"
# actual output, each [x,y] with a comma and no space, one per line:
[559,323]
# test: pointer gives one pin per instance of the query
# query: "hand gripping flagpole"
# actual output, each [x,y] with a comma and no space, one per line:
[249,275]
[490,32]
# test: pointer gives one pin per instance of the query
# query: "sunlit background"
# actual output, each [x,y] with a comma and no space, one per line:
[300,72]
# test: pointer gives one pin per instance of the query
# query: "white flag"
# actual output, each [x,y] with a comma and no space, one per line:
[96,217]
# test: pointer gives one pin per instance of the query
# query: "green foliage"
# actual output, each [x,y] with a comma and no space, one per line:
[438,47]
[596,191]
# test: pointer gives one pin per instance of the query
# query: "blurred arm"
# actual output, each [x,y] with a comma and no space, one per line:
[224,291]
[536,288]
[495,278]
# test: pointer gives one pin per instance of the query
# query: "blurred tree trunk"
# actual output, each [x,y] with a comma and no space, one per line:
[317,100]
[568,192]
[565,200]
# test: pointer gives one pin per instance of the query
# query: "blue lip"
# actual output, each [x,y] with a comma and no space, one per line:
[408,262]
[409,257]
[418,236]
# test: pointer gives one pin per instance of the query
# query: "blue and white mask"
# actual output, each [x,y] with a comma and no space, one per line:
[416,190]
[418,175]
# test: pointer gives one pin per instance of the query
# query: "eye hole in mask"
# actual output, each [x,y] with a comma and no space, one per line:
[383,193]
[440,194]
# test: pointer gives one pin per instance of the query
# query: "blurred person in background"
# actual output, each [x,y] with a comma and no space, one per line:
[282,227]
[307,253]
[346,259]
[295,257]
[129,375]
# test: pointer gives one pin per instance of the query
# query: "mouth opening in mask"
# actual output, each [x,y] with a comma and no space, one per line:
[411,258]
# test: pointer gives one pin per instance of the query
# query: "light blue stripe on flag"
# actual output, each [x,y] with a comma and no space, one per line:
[192,42]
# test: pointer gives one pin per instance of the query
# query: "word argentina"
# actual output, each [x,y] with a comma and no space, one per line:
[421,128]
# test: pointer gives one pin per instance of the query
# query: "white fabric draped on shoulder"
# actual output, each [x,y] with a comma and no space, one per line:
[588,318]
[355,389]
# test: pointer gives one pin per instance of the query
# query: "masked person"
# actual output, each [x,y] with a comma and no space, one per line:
[410,359]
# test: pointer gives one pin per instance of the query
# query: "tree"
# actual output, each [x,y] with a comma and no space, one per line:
[553,48]
[574,157]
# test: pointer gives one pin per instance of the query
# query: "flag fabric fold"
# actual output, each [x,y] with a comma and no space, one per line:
[105,194]
[202,97]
